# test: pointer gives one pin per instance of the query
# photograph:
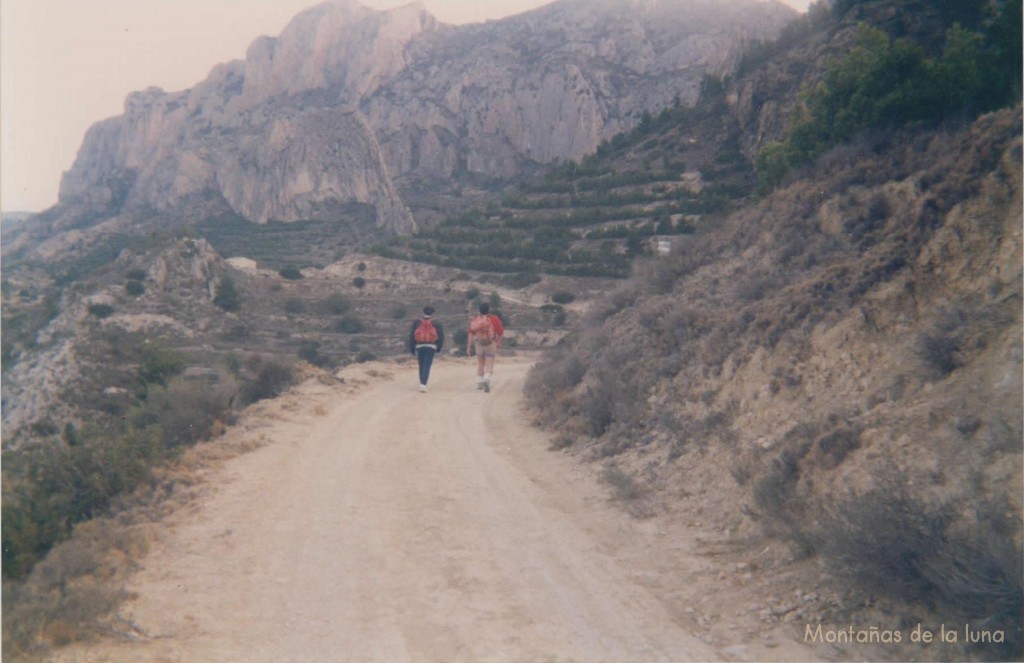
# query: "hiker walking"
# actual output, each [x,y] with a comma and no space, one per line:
[425,339]
[485,332]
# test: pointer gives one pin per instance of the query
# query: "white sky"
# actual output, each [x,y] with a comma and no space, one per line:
[66,64]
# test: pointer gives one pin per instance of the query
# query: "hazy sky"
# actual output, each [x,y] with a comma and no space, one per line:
[65,64]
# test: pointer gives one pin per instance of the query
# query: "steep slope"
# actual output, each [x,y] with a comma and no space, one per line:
[838,366]
[351,105]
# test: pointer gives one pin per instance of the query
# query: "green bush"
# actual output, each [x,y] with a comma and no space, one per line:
[365,356]
[522,279]
[349,325]
[294,305]
[49,487]
[359,282]
[335,304]
[226,295]
[290,273]
[563,298]
[101,310]
[159,363]
[881,83]
[310,351]
[134,288]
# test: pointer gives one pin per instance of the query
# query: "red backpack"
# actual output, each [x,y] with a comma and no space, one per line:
[482,328]
[425,332]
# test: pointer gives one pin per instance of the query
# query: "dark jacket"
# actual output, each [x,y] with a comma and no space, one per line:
[412,344]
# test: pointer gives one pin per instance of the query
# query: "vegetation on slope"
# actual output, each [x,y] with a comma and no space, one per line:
[850,326]
[846,352]
[594,217]
[882,83]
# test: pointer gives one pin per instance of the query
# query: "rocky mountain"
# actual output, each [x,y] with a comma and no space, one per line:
[352,105]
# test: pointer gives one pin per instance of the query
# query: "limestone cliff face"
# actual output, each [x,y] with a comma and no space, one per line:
[347,98]
[553,83]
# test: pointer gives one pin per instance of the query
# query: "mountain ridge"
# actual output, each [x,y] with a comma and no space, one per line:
[412,106]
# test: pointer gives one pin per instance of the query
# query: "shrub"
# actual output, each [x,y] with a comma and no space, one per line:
[365,356]
[226,296]
[472,293]
[310,351]
[522,279]
[335,304]
[359,282]
[268,378]
[159,364]
[625,487]
[361,266]
[134,288]
[290,273]
[882,83]
[349,325]
[774,494]
[57,486]
[294,305]
[186,410]
[939,346]
[71,593]
[101,310]
[136,275]
[938,351]
[895,544]
[563,298]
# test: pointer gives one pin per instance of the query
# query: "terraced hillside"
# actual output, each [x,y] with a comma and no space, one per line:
[676,171]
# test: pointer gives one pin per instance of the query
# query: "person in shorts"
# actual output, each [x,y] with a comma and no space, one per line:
[485,332]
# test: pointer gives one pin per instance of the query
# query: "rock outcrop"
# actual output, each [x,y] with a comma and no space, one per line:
[353,105]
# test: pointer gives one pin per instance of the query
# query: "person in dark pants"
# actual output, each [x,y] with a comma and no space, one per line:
[425,339]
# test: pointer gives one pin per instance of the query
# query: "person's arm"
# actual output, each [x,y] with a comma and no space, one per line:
[499,330]
[412,337]
[440,335]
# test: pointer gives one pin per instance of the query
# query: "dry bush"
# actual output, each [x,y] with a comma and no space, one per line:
[774,491]
[623,485]
[939,345]
[889,542]
[71,595]
[265,378]
[621,298]
[614,383]
[549,383]
[186,410]
[673,326]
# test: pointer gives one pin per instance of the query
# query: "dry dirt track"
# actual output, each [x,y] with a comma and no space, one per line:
[382,524]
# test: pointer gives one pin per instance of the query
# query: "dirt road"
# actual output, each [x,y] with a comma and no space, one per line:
[382,524]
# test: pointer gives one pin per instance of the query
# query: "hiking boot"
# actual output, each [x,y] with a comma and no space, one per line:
[423,388]
[480,384]
[487,386]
